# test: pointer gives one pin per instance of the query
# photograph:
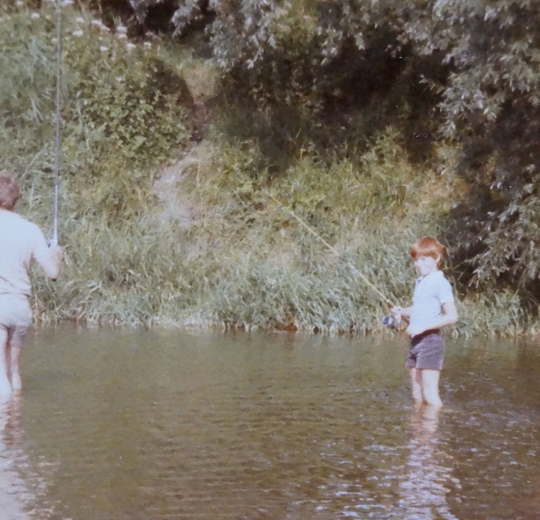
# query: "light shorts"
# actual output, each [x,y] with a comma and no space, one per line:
[426,351]
[15,316]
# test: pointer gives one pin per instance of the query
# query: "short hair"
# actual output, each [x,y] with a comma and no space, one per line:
[9,190]
[428,246]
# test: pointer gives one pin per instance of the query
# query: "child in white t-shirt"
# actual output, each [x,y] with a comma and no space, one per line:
[433,307]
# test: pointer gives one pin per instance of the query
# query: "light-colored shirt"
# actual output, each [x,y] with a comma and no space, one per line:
[430,294]
[20,242]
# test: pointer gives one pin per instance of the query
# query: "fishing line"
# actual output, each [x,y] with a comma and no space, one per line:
[58,121]
[353,268]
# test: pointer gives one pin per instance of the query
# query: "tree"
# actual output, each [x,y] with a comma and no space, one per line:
[481,56]
[491,107]
[464,71]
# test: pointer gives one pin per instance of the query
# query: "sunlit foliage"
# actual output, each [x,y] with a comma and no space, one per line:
[356,114]
[455,69]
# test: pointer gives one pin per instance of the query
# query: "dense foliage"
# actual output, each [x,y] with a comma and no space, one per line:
[338,70]
[375,121]
[120,122]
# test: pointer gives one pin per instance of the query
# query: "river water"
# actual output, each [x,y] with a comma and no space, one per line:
[152,425]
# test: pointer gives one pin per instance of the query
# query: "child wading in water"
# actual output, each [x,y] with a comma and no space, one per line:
[432,309]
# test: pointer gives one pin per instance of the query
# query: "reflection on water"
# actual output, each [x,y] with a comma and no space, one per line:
[18,487]
[428,471]
[13,493]
[150,425]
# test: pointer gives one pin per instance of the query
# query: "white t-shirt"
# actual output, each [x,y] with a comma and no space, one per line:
[20,241]
[430,294]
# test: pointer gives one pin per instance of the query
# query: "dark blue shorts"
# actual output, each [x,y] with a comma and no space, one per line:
[426,351]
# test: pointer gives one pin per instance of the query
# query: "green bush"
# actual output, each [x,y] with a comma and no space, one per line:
[120,124]
[265,269]
[242,259]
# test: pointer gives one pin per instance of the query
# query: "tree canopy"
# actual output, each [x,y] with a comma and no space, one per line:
[465,72]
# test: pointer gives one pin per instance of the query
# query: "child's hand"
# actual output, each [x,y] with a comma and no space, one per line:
[396,312]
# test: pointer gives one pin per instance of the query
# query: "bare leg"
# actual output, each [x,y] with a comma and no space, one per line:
[5,387]
[15,348]
[416,385]
[430,387]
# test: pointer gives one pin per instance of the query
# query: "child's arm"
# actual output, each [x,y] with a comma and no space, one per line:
[401,313]
[449,316]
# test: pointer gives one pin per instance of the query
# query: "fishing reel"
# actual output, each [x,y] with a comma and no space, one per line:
[391,322]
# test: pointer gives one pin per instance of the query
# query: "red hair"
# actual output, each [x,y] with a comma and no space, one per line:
[428,246]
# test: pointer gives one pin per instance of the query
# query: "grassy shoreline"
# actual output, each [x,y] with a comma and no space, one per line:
[238,260]
[209,248]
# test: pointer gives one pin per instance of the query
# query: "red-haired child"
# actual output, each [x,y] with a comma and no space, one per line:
[432,309]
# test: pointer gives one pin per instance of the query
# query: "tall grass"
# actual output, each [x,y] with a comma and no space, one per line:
[265,270]
[241,260]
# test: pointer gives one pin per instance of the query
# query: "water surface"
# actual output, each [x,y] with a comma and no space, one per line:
[152,425]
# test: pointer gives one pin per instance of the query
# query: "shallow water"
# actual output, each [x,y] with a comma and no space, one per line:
[151,425]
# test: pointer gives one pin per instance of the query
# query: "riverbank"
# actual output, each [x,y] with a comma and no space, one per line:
[218,251]
[165,211]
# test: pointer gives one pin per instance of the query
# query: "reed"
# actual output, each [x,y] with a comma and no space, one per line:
[241,261]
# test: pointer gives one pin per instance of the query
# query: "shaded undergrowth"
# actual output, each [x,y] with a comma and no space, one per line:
[236,258]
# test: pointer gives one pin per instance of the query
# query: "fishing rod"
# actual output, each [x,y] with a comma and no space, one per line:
[58,121]
[353,268]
